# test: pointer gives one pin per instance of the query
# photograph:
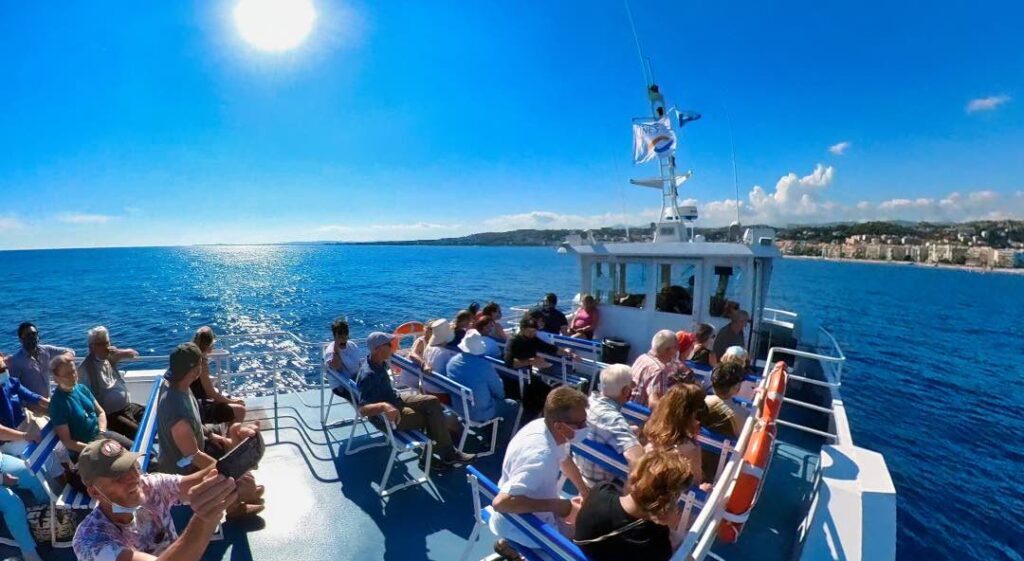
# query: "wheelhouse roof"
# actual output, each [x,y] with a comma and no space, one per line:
[674,249]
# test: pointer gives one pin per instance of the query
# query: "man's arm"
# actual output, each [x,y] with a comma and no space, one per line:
[64,433]
[117,355]
[521,504]
[183,438]
[8,434]
[381,408]
[573,473]
[208,498]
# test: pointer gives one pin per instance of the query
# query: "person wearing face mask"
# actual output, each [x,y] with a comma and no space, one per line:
[100,374]
[76,415]
[534,461]
[31,364]
[16,474]
[643,523]
[133,517]
[609,426]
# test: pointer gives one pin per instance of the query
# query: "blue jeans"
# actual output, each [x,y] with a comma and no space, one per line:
[11,506]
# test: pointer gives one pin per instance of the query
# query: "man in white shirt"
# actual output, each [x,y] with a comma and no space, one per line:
[341,358]
[535,459]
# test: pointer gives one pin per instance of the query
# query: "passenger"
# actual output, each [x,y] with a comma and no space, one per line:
[16,473]
[341,357]
[609,426]
[534,462]
[405,412]
[658,369]
[463,321]
[584,320]
[214,407]
[701,353]
[522,352]
[643,524]
[18,405]
[554,320]
[484,325]
[674,425]
[685,340]
[99,373]
[472,370]
[722,415]
[439,349]
[419,345]
[736,354]
[31,364]
[185,444]
[133,518]
[77,417]
[732,334]
[493,310]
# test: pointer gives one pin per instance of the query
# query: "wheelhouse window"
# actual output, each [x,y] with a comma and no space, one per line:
[676,283]
[726,291]
[619,284]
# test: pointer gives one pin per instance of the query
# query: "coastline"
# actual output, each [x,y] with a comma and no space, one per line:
[966,268]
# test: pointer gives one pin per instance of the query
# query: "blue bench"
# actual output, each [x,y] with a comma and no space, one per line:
[400,442]
[462,399]
[553,543]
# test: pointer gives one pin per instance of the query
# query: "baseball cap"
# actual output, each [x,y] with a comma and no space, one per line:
[105,458]
[184,358]
[378,338]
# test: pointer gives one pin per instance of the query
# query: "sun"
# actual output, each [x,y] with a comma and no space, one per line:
[274,25]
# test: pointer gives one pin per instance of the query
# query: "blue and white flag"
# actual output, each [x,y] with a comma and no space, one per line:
[653,139]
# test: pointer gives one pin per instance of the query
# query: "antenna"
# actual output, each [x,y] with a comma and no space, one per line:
[735,174]
[644,61]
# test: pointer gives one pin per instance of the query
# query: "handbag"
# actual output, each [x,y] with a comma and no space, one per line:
[39,523]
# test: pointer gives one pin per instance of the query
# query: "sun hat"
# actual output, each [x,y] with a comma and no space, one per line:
[442,334]
[473,343]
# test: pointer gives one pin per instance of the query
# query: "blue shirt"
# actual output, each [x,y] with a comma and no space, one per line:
[492,347]
[374,384]
[77,410]
[12,403]
[34,370]
[477,374]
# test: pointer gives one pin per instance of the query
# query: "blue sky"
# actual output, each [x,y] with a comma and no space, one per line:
[396,120]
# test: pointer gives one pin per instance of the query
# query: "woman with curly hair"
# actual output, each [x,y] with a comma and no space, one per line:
[643,523]
[674,424]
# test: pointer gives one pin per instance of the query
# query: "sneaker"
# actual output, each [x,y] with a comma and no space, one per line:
[458,460]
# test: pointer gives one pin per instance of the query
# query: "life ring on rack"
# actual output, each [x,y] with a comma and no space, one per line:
[748,484]
[775,391]
[405,330]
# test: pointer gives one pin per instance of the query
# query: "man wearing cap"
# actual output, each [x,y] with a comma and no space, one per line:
[406,412]
[133,517]
[472,370]
[185,443]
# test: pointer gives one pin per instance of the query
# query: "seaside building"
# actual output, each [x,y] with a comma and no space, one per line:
[947,253]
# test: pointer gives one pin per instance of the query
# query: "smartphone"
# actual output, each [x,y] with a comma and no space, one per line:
[242,458]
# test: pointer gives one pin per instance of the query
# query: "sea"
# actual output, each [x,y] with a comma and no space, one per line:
[934,381]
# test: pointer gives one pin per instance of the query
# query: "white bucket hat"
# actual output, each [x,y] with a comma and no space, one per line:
[473,343]
[442,333]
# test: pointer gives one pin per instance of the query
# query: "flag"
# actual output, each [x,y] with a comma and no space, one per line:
[653,139]
[687,116]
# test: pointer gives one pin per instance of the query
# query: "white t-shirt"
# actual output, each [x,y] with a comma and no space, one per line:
[437,358]
[532,468]
[349,362]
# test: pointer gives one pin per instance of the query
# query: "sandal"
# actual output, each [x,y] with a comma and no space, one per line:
[506,551]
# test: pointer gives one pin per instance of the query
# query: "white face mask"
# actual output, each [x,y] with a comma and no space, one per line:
[580,435]
[120,509]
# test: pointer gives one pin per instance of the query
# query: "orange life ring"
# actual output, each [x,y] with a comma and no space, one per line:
[775,391]
[748,484]
[406,329]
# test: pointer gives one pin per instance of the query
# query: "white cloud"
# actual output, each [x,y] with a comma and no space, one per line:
[986,103]
[8,223]
[840,148]
[83,218]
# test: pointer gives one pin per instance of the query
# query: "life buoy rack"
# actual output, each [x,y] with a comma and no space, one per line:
[775,391]
[405,330]
[748,484]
